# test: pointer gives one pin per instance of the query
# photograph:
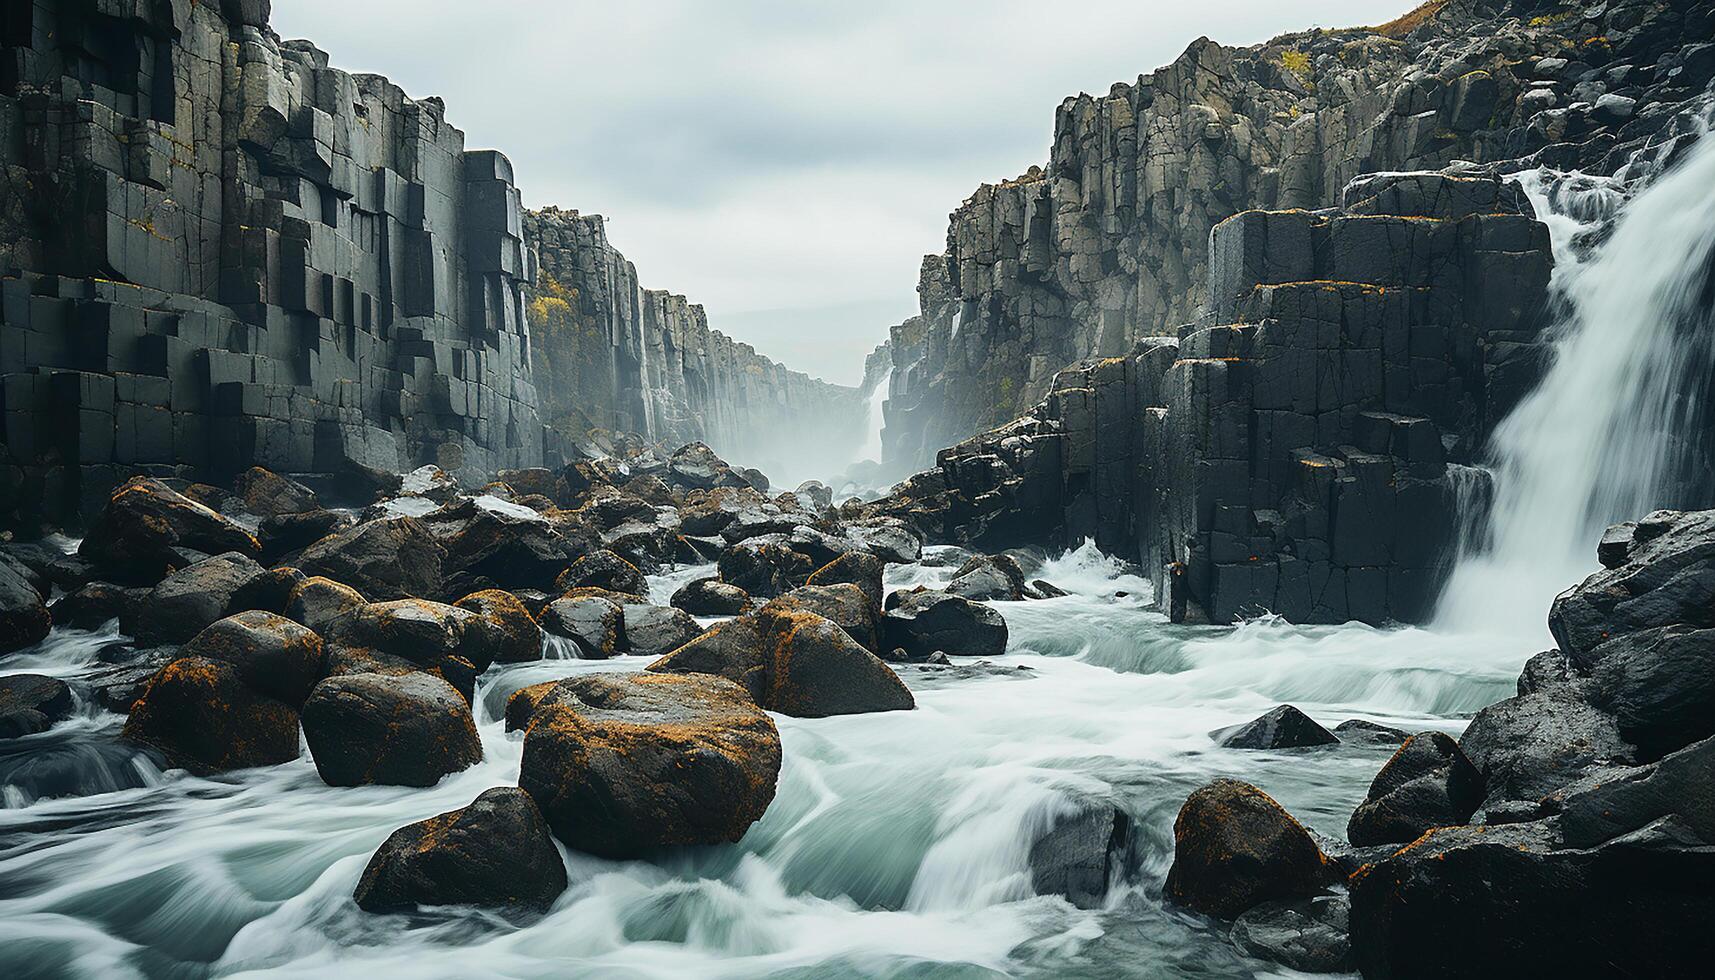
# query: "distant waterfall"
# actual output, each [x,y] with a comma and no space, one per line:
[1618,425]
[877,419]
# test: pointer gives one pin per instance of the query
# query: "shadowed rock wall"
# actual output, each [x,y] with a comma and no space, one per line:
[1108,243]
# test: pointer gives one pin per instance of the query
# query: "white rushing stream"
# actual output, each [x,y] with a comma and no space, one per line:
[897,843]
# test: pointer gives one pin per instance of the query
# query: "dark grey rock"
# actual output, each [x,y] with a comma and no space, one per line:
[496,853]
[1284,727]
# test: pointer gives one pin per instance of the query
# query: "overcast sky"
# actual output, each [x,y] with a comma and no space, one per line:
[786,164]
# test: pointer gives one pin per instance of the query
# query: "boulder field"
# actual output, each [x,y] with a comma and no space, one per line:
[1569,831]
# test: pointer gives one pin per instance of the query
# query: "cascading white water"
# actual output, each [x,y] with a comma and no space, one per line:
[877,418]
[1609,434]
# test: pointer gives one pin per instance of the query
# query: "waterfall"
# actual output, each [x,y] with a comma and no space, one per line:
[877,418]
[1616,427]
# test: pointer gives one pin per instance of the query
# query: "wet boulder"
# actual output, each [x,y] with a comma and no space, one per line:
[651,631]
[1083,854]
[1234,848]
[30,703]
[814,496]
[24,617]
[1658,684]
[407,730]
[429,636]
[318,601]
[887,538]
[764,569]
[854,568]
[203,717]
[795,662]
[387,558]
[1512,900]
[190,599]
[1284,727]
[1528,747]
[1428,783]
[922,623]
[1360,732]
[95,604]
[283,534]
[603,570]
[503,631]
[624,764]
[273,655]
[1662,574]
[711,597]
[594,623]
[844,603]
[709,514]
[696,467]
[495,853]
[134,539]
[491,543]
[1311,935]
[269,591]
[268,494]
[989,577]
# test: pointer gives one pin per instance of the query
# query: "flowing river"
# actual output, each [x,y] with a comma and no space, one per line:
[897,844]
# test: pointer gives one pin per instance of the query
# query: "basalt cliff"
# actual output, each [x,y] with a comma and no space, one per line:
[217,251]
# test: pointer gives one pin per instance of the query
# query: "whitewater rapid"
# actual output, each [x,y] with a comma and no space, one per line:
[897,843]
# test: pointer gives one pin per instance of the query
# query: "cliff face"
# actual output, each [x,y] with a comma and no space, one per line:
[612,356]
[220,252]
[1108,244]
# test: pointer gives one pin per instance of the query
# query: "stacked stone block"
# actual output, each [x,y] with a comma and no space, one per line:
[218,252]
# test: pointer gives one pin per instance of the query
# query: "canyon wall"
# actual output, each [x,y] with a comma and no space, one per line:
[1108,244]
[612,356]
[217,251]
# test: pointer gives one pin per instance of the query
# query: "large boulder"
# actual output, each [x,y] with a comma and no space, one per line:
[886,538]
[269,591]
[594,623]
[284,534]
[1311,935]
[190,599]
[845,603]
[711,597]
[96,603]
[387,558]
[603,570]
[495,853]
[491,543]
[1284,727]
[1508,901]
[927,622]
[651,631]
[1659,685]
[267,494]
[318,601]
[986,577]
[412,729]
[1083,854]
[795,662]
[624,764]
[203,717]
[274,656]
[24,617]
[503,631]
[134,540]
[696,467]
[1659,571]
[764,568]
[411,634]
[30,703]
[854,568]
[1427,784]
[1234,848]
[1528,747]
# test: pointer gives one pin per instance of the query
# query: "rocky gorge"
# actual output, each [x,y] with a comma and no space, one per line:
[1328,593]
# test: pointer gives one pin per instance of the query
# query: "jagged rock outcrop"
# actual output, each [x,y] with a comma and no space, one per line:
[611,355]
[1107,245]
[1294,455]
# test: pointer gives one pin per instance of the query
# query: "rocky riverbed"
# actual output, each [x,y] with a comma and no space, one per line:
[539,725]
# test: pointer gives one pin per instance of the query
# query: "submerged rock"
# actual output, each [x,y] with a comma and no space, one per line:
[923,623]
[1234,848]
[30,703]
[1083,854]
[1312,935]
[624,764]
[1428,783]
[203,717]
[1368,732]
[407,730]
[494,853]
[1284,727]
